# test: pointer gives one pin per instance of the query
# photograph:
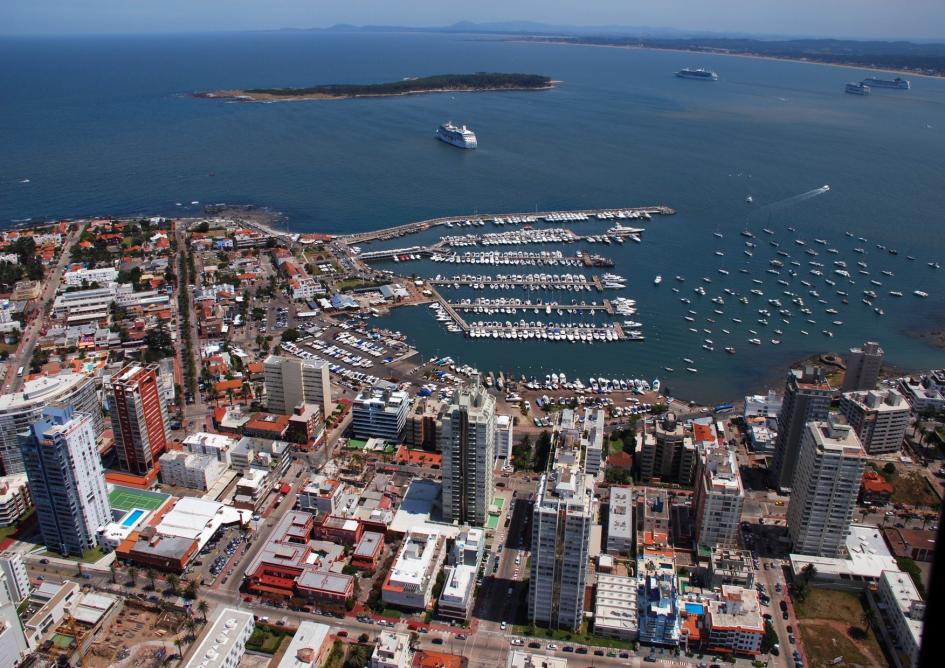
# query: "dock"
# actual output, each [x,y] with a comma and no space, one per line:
[549,216]
[522,282]
[473,307]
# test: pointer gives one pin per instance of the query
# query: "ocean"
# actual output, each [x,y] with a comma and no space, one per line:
[106,125]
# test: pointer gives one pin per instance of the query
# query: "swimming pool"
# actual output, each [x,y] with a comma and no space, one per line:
[132,517]
[695,608]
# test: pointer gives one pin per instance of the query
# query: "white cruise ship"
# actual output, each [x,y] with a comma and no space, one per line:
[462,137]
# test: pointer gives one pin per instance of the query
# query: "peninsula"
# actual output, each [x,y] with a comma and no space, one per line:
[439,83]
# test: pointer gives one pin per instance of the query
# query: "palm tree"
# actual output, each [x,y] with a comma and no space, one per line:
[133,575]
[151,575]
[113,567]
[174,582]
[191,625]
[202,608]
[180,651]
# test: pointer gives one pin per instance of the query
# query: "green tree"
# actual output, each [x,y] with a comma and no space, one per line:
[133,576]
[151,575]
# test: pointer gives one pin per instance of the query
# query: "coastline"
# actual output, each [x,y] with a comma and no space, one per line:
[756,56]
[239,95]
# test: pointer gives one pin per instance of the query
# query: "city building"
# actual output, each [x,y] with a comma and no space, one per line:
[16,581]
[459,586]
[291,381]
[290,566]
[615,607]
[392,651]
[309,648]
[13,645]
[19,410]
[926,393]
[806,397]
[658,616]
[380,414]
[875,490]
[915,544]
[763,405]
[216,446]
[223,642]
[900,611]
[620,526]
[77,276]
[504,436]
[879,417]
[467,440]
[183,469]
[51,602]
[367,552]
[140,424]
[825,487]
[864,558]
[592,439]
[731,567]
[15,499]
[665,452]
[734,622]
[562,516]
[718,499]
[520,658]
[410,581]
[321,495]
[66,480]
[863,365]
[420,427]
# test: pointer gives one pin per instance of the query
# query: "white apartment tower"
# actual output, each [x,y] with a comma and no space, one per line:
[291,381]
[67,481]
[825,486]
[467,433]
[561,524]
[879,417]
[719,497]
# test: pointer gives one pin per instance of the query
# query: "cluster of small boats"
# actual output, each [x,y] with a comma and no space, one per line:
[549,235]
[540,258]
[570,282]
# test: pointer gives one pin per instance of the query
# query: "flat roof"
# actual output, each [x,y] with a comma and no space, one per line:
[306,645]
[219,638]
[416,510]
[615,603]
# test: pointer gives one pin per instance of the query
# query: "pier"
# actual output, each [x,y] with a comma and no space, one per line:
[489,307]
[533,282]
[601,215]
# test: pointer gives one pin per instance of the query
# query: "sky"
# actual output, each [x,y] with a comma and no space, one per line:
[856,19]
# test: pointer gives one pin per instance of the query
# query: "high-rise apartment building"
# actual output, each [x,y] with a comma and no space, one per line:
[718,499]
[67,481]
[561,524]
[826,483]
[806,397]
[467,433]
[879,417]
[21,409]
[665,452]
[863,365]
[291,382]
[139,418]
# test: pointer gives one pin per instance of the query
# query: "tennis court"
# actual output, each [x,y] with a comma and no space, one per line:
[126,498]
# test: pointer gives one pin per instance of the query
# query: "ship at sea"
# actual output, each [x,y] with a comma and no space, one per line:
[701,73]
[857,89]
[462,137]
[898,82]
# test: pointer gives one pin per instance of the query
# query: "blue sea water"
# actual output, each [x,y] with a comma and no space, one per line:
[106,125]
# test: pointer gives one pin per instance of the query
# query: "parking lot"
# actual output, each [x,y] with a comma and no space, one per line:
[215,556]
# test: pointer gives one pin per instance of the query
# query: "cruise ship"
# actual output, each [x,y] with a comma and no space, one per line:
[701,73]
[857,88]
[462,137]
[898,82]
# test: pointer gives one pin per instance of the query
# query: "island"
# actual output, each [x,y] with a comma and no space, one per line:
[439,83]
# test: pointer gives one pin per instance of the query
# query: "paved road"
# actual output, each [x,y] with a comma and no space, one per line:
[24,352]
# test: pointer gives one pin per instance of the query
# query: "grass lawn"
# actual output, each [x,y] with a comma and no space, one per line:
[578,638]
[265,640]
[824,641]
[392,613]
[88,557]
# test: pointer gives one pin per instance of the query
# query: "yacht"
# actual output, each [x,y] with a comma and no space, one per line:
[701,73]
[657,280]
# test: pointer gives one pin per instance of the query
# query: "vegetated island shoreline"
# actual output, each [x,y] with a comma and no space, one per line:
[439,83]
[808,60]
